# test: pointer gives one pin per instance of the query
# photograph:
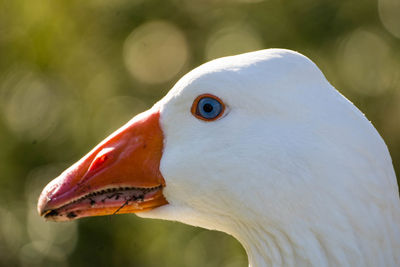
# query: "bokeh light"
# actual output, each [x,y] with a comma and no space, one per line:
[232,39]
[372,74]
[30,107]
[389,11]
[155,52]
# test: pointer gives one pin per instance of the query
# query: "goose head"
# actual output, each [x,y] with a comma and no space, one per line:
[259,146]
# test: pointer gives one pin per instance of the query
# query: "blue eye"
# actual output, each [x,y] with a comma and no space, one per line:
[208,107]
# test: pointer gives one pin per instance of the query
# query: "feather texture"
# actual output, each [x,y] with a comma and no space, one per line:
[292,169]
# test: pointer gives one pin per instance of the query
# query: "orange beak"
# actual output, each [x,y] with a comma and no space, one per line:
[120,175]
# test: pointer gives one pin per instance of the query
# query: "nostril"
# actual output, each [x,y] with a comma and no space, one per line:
[103,157]
[98,162]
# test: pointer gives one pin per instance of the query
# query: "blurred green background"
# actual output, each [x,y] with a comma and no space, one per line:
[73,71]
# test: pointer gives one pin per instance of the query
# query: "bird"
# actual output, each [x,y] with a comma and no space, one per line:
[257,145]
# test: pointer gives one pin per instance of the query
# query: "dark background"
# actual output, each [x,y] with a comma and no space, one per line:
[73,71]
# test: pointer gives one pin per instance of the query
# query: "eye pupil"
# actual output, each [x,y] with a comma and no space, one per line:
[207,107]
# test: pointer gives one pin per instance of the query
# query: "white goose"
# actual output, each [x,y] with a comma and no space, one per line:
[259,146]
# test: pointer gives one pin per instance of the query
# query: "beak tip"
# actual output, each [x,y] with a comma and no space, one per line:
[46,197]
[42,204]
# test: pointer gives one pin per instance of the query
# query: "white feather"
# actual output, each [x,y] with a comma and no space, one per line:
[293,170]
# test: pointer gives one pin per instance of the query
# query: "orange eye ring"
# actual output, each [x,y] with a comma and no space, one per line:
[195,109]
